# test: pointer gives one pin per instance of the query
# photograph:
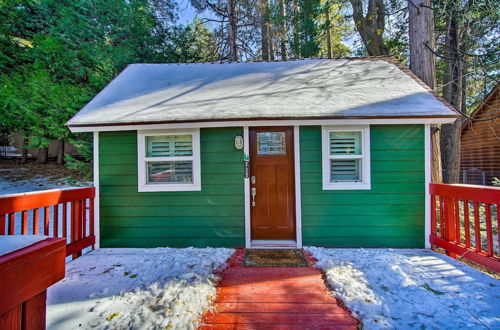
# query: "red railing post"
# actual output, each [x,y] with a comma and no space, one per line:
[451,218]
[2,224]
[35,221]
[23,203]
[46,218]
[24,223]
[449,223]
[433,215]
[489,230]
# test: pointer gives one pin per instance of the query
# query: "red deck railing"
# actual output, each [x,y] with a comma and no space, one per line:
[465,222]
[65,213]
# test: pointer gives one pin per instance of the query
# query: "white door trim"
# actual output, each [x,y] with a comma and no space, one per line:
[246,181]
[298,195]
[298,203]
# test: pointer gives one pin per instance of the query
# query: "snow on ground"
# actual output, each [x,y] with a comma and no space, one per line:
[13,243]
[8,187]
[136,289]
[31,184]
[388,288]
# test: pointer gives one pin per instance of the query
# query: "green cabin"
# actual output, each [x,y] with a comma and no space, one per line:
[323,152]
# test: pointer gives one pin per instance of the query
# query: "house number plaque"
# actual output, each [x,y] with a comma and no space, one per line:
[246,166]
[238,142]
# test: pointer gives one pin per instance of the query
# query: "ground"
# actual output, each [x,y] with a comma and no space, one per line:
[136,289]
[154,288]
[389,288]
[16,178]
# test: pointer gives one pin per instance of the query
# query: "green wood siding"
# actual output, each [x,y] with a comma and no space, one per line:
[391,214]
[213,216]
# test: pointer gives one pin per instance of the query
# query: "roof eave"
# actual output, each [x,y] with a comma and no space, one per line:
[282,121]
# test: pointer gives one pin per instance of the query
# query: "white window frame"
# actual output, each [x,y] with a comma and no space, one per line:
[142,173]
[365,183]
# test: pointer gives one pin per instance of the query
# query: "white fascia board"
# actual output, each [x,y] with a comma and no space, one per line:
[270,122]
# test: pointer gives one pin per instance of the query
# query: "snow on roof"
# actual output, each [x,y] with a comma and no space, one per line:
[311,88]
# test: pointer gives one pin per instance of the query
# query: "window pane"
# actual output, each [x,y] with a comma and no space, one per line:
[169,145]
[345,170]
[345,143]
[271,143]
[170,172]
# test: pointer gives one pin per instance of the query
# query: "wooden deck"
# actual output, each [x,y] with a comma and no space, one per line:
[275,298]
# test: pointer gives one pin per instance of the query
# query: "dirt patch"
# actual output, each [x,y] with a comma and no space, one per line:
[12,170]
[471,264]
[275,258]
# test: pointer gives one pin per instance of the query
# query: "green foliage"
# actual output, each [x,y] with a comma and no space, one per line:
[338,26]
[307,22]
[192,43]
[479,46]
[55,55]
[496,182]
[83,145]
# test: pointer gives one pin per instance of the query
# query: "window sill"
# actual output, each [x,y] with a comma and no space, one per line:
[347,186]
[170,187]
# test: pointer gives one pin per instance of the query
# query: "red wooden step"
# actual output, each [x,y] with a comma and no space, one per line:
[269,298]
[274,298]
[273,290]
[276,327]
[237,280]
[280,318]
[278,271]
[330,307]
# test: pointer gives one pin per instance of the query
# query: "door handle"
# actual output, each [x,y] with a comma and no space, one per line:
[253,192]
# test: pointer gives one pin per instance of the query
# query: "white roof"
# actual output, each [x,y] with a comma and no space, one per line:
[312,89]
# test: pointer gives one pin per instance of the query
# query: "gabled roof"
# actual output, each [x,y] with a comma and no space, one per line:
[484,107]
[301,89]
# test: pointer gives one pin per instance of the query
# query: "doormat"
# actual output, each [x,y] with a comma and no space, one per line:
[275,258]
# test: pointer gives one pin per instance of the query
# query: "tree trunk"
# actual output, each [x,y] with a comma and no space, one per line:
[270,32]
[43,155]
[372,26]
[233,30]
[284,55]
[24,151]
[263,30]
[421,33]
[296,28]
[450,133]
[422,63]
[60,152]
[329,52]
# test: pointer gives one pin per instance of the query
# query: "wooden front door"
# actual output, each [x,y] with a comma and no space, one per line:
[272,183]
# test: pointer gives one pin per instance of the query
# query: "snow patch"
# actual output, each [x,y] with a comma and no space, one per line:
[33,184]
[13,243]
[386,288]
[136,289]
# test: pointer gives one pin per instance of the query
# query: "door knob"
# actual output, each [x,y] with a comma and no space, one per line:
[253,192]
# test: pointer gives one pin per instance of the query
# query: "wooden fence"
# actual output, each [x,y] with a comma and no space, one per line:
[465,222]
[65,213]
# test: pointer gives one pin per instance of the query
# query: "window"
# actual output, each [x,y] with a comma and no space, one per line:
[271,143]
[346,157]
[169,160]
